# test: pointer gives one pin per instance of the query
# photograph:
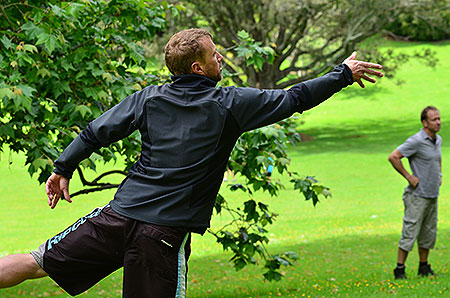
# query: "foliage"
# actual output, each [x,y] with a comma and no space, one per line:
[245,234]
[426,20]
[252,52]
[62,64]
[307,38]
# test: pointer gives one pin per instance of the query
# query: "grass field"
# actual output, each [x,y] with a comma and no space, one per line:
[347,244]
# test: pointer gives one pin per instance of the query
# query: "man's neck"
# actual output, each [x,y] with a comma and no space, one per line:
[430,133]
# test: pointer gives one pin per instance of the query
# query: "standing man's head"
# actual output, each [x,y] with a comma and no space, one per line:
[431,120]
[192,51]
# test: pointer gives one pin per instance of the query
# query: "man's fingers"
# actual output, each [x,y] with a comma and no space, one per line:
[370,65]
[369,79]
[51,199]
[54,201]
[360,83]
[47,189]
[352,56]
[67,196]
[374,72]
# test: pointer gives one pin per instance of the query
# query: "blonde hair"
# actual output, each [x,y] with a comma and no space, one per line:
[183,49]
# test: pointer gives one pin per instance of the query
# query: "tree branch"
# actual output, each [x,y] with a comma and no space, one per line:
[89,190]
[95,181]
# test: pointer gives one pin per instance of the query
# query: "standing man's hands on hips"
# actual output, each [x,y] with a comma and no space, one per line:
[360,69]
[413,181]
[56,186]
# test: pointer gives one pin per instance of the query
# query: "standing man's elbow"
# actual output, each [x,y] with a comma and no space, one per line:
[395,156]
[391,157]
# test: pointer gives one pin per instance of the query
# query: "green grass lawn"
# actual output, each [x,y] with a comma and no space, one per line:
[347,244]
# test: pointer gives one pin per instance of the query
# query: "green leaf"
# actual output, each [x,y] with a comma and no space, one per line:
[42,38]
[29,27]
[26,90]
[43,72]
[283,161]
[97,71]
[6,92]
[239,263]
[259,62]
[243,34]
[260,159]
[74,9]
[103,95]
[318,189]
[6,42]
[107,77]
[7,130]
[91,92]
[39,163]
[50,43]
[272,275]
[30,48]
[22,101]
[83,110]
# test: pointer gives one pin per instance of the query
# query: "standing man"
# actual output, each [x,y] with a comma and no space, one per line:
[423,151]
[188,130]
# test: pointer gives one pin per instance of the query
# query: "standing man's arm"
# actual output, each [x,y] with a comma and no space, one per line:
[396,160]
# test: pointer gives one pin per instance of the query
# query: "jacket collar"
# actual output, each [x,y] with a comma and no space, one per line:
[193,80]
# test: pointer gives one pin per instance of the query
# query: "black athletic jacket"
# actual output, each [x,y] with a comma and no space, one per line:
[188,130]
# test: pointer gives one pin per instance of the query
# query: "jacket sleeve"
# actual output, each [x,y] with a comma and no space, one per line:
[313,92]
[115,124]
[253,108]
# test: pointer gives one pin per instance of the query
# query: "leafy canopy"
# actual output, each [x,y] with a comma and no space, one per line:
[62,64]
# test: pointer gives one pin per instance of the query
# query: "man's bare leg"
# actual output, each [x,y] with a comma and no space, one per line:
[14,269]
[401,256]
[423,254]
[399,271]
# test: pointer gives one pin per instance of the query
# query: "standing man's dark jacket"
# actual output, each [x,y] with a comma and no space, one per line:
[188,131]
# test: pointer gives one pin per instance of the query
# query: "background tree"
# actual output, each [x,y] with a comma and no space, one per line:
[426,20]
[307,37]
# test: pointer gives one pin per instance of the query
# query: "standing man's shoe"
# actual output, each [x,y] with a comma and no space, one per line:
[425,270]
[399,273]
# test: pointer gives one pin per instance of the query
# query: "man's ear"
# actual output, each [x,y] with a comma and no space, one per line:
[197,68]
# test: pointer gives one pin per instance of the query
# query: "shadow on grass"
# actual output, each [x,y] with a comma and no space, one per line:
[353,266]
[366,93]
[372,136]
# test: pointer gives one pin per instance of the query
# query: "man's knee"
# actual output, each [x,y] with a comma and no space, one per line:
[16,268]
[35,269]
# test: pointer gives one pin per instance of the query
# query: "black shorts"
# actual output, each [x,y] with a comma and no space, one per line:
[154,257]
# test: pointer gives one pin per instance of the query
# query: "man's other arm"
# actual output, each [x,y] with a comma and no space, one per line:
[395,158]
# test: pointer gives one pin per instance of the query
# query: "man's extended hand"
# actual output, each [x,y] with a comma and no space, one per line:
[55,186]
[360,69]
